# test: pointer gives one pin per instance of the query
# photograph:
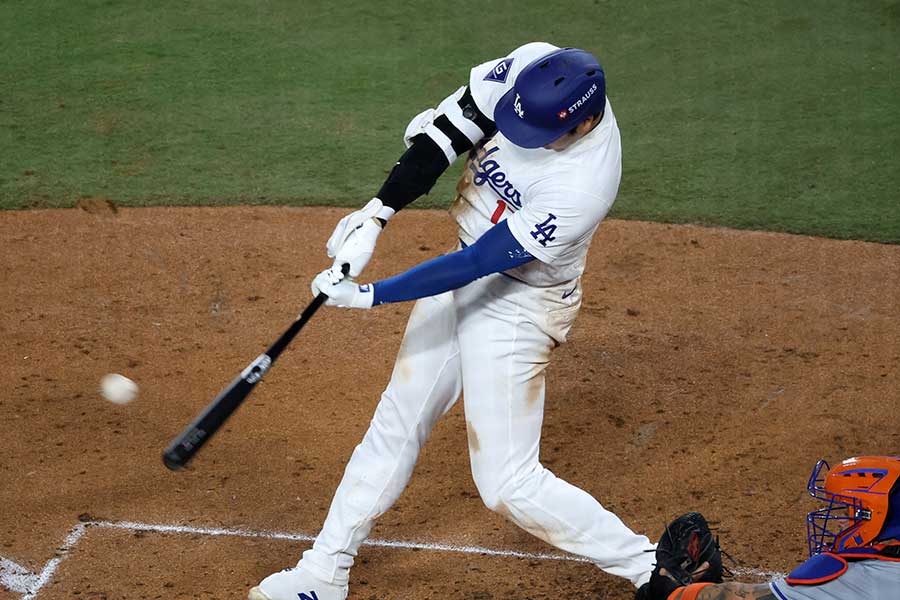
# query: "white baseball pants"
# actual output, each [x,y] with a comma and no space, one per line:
[490,340]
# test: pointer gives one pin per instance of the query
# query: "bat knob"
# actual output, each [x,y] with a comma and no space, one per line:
[172,460]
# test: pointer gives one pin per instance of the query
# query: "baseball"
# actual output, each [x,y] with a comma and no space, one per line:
[118,389]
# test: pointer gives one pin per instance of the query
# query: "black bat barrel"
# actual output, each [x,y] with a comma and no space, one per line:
[189,442]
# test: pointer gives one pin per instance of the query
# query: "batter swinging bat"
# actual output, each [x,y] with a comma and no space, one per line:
[188,443]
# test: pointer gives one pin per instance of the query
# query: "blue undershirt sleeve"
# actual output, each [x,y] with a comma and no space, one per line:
[495,251]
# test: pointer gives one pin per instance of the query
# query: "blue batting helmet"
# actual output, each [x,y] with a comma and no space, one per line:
[551,95]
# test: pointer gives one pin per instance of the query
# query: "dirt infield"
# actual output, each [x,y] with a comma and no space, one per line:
[709,369]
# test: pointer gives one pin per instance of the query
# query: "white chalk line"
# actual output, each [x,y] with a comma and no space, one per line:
[15,577]
[46,574]
[302,537]
[767,575]
[32,584]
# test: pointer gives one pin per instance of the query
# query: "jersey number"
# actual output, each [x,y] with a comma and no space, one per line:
[498,212]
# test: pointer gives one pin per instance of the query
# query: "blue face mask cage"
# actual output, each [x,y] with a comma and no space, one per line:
[825,525]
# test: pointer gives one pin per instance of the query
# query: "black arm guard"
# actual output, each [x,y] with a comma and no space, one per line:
[414,174]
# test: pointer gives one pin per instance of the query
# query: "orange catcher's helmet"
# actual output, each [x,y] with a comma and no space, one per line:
[863,496]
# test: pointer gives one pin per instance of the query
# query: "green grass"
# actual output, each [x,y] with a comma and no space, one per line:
[767,115]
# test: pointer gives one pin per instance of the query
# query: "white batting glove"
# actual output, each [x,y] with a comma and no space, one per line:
[342,292]
[353,240]
[359,246]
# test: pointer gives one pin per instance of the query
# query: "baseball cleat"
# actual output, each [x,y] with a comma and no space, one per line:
[296,584]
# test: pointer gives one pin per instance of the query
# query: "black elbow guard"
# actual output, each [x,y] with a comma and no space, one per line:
[414,174]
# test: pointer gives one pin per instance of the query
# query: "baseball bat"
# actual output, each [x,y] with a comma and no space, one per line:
[188,443]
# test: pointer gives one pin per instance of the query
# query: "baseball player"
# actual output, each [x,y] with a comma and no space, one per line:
[854,544]
[542,170]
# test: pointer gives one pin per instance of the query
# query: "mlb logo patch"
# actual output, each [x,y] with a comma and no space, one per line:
[563,114]
[500,72]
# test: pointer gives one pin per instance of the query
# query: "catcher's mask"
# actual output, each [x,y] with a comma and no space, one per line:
[863,503]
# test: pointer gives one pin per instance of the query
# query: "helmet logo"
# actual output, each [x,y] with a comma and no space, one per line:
[517,105]
[499,73]
[581,101]
[562,114]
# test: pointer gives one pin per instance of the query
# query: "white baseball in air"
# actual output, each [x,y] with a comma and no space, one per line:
[118,389]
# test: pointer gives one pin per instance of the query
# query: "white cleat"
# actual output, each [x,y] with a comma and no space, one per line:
[296,584]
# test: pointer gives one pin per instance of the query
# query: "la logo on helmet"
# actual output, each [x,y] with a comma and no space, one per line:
[517,106]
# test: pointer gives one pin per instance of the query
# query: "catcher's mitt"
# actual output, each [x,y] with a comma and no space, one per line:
[683,549]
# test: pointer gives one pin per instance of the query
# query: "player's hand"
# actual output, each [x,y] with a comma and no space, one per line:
[359,246]
[353,240]
[341,291]
[686,553]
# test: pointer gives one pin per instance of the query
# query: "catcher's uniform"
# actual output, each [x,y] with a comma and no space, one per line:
[491,339]
[856,575]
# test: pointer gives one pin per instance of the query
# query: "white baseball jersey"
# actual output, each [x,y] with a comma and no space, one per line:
[490,340]
[553,201]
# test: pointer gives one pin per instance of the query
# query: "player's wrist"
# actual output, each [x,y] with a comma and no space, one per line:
[377,298]
[364,296]
[384,213]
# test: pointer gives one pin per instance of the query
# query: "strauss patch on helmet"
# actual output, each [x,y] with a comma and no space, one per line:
[580,102]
